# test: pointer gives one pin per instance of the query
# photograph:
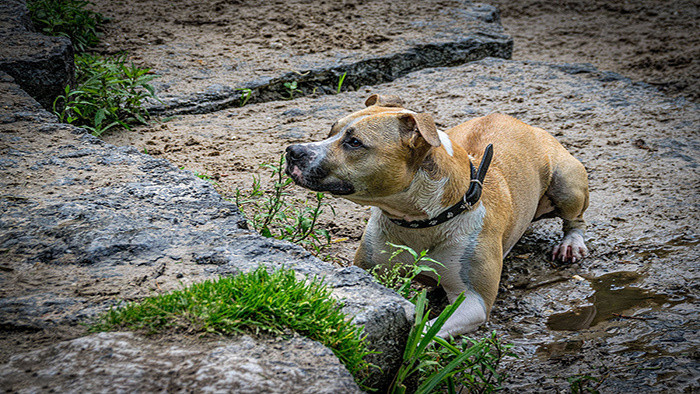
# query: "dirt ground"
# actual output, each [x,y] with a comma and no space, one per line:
[655,42]
[193,45]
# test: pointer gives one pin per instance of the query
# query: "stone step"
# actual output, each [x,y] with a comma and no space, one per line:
[467,32]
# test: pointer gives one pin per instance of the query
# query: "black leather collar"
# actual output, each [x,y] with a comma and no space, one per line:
[470,198]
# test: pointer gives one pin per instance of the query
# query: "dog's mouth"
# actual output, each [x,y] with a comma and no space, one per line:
[318,181]
[297,176]
[295,173]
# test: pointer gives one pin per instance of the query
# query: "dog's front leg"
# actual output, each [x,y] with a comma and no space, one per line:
[470,314]
[476,272]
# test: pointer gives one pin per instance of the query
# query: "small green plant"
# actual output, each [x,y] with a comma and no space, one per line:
[205,177]
[68,18]
[442,365]
[109,93]
[400,276]
[478,373]
[274,215]
[340,81]
[421,336]
[245,96]
[253,302]
[291,88]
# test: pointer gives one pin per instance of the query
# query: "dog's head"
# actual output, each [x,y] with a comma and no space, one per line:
[369,154]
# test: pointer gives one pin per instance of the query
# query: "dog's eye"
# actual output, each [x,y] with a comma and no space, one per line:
[353,142]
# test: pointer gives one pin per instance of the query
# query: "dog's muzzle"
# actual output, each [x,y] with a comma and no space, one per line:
[305,167]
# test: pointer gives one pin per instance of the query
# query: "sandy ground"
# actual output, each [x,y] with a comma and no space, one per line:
[642,229]
[652,41]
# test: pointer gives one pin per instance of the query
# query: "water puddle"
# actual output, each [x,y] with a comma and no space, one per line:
[613,295]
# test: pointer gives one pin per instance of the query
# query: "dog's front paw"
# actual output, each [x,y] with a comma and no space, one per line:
[571,249]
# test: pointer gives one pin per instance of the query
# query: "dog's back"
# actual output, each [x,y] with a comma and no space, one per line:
[530,162]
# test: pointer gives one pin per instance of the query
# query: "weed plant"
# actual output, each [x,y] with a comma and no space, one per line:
[400,276]
[291,88]
[254,302]
[67,18]
[476,365]
[109,93]
[448,365]
[274,214]
[204,177]
[441,365]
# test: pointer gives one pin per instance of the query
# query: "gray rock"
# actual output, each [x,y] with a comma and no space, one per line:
[96,224]
[386,324]
[41,65]
[126,362]
[14,16]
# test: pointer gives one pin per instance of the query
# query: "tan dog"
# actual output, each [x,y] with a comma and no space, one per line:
[427,194]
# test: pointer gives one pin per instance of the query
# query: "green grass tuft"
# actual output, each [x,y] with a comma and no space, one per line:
[340,82]
[440,365]
[253,302]
[446,365]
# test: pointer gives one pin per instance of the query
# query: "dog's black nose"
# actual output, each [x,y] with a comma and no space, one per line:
[296,153]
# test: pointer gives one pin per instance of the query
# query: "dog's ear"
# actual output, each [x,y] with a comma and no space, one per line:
[421,125]
[384,100]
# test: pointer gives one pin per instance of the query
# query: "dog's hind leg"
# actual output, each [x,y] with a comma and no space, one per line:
[568,193]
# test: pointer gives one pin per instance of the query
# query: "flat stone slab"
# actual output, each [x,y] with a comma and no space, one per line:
[127,362]
[85,225]
[207,57]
